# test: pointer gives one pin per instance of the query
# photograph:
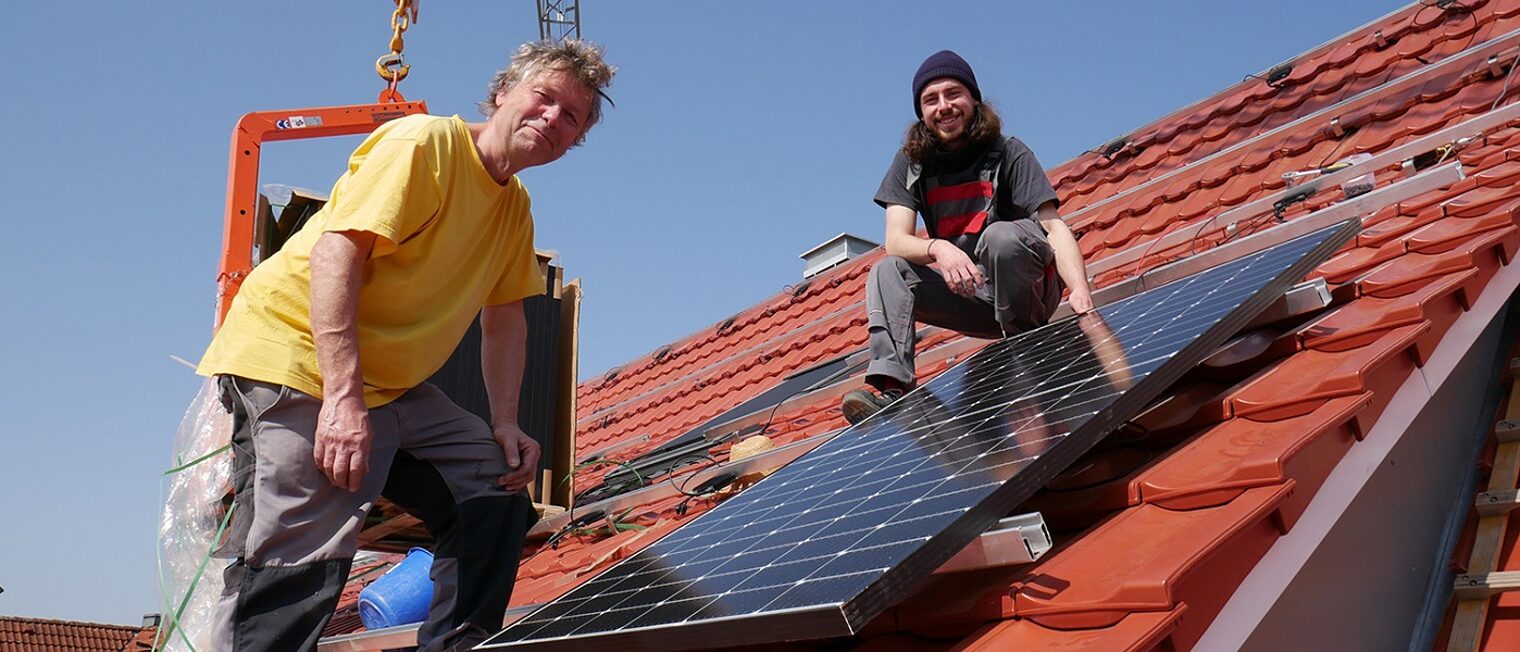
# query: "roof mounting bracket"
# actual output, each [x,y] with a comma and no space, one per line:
[1115,146]
[1338,130]
[1496,69]
[1014,540]
[1278,73]
[1380,41]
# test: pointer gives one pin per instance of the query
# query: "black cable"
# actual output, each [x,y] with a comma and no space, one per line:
[706,488]
[1451,5]
[570,478]
[772,416]
[553,542]
[1334,151]
[671,470]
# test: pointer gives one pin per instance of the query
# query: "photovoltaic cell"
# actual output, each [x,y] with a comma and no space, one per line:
[829,541]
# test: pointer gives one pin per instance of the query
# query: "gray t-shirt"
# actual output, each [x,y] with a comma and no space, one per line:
[1022,184]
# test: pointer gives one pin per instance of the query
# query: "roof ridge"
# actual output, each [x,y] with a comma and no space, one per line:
[55,621]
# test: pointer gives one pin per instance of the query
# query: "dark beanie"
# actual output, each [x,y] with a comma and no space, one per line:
[938,66]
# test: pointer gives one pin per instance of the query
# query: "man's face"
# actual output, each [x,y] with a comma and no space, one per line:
[947,105]
[543,116]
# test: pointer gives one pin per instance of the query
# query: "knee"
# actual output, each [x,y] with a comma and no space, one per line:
[892,268]
[1004,238]
[1014,242]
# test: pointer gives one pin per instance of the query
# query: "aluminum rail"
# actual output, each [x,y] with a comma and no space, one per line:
[1471,128]
[1432,179]
[1014,540]
[1503,47]
[1249,80]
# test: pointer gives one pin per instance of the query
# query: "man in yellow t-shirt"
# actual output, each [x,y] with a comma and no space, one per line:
[324,355]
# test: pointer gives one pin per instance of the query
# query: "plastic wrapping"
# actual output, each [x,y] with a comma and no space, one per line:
[199,478]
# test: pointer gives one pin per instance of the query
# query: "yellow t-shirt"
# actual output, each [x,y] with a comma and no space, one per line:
[451,240]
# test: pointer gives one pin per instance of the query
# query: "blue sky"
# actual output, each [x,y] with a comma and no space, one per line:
[745,133]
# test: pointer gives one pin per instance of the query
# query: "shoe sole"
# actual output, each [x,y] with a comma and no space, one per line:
[857,409]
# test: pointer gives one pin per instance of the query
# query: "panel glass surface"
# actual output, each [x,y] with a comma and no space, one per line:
[822,533]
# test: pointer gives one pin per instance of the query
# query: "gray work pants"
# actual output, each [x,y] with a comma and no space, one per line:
[1021,292]
[293,533]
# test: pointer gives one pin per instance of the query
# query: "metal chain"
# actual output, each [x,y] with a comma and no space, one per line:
[391,66]
[400,20]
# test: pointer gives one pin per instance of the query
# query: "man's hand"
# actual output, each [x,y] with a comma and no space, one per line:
[342,443]
[961,274]
[1080,301]
[522,455]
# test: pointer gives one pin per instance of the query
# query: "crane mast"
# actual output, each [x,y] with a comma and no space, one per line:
[559,20]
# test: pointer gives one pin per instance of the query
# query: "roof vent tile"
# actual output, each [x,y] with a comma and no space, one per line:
[833,252]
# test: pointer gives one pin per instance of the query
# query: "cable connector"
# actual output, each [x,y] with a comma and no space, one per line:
[1281,206]
[707,487]
[575,524]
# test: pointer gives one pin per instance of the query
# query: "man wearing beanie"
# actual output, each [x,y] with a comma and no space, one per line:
[996,253]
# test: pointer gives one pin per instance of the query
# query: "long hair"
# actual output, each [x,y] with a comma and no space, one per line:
[921,145]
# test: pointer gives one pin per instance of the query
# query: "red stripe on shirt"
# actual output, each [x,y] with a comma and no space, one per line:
[959,191]
[950,227]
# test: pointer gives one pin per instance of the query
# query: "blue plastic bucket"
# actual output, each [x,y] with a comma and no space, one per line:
[401,596]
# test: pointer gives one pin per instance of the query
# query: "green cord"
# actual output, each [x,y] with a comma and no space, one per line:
[595,463]
[174,622]
[198,460]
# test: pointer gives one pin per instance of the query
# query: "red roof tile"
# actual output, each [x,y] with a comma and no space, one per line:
[1135,632]
[39,635]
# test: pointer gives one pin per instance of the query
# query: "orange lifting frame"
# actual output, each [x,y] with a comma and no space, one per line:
[248,138]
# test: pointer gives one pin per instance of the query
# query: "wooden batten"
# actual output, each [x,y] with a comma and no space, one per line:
[1473,589]
[559,492]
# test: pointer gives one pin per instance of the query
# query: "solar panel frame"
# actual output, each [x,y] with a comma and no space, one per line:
[845,617]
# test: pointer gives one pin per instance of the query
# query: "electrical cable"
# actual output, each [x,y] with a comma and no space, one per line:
[1505,89]
[706,488]
[1456,5]
[671,470]
[570,477]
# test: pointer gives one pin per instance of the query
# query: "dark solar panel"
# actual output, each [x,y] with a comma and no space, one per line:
[832,539]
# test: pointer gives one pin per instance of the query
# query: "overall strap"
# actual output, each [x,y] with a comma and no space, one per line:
[960,204]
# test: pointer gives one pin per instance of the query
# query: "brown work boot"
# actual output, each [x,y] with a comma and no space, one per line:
[862,403]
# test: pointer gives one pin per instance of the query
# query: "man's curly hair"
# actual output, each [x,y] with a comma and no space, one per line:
[582,59]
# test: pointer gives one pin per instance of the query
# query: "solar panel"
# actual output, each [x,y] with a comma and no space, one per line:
[834,538]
